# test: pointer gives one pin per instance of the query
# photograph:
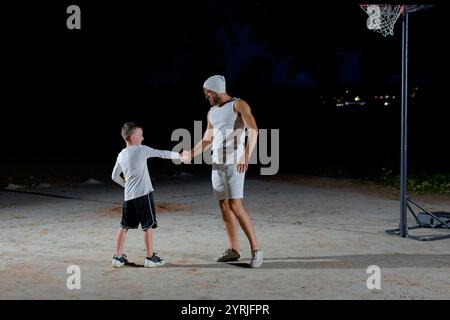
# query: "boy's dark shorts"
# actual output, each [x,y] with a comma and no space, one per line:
[139,210]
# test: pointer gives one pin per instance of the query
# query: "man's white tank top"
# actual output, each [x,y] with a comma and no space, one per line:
[229,134]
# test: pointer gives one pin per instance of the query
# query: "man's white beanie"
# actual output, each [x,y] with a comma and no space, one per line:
[215,83]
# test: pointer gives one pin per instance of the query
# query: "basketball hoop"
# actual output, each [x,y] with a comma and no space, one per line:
[382,17]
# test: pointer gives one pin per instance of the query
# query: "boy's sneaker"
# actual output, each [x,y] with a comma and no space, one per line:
[229,255]
[154,261]
[257,258]
[119,262]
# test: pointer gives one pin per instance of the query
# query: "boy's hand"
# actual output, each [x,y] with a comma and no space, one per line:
[185,157]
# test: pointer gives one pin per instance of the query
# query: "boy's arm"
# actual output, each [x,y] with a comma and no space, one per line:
[165,154]
[116,175]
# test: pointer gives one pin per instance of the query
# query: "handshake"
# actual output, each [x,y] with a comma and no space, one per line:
[185,157]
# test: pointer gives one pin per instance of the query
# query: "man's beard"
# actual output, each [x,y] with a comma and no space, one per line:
[215,101]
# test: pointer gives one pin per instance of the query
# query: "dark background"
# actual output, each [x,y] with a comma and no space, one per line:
[66,93]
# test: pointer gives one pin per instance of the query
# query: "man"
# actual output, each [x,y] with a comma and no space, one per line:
[227,120]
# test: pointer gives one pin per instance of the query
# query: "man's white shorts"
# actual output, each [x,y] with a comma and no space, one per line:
[227,183]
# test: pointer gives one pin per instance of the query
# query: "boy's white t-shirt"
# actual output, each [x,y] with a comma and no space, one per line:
[132,162]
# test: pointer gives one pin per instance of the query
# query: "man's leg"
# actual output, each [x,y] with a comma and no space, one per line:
[244,220]
[148,239]
[120,241]
[230,224]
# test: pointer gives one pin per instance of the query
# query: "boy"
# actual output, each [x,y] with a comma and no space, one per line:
[138,206]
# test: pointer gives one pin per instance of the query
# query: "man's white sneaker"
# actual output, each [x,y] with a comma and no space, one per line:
[257,258]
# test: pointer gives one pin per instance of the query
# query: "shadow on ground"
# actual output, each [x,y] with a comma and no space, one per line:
[333,262]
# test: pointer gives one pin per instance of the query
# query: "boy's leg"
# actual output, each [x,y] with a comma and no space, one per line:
[148,240]
[152,260]
[120,241]
[230,222]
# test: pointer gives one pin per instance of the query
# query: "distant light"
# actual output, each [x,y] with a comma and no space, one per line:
[346,91]
[386,103]
[393,97]
[339,104]
[387,96]
[381,97]
[357,98]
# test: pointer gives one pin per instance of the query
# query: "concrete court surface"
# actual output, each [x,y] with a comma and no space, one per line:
[319,236]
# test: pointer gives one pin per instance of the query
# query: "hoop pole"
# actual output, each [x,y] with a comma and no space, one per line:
[404,131]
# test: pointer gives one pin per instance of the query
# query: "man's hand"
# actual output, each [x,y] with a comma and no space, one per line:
[242,165]
[185,157]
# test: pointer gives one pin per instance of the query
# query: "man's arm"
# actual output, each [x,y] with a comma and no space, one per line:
[246,113]
[116,175]
[206,141]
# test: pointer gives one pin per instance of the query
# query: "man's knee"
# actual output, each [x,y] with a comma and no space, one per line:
[236,206]
[224,206]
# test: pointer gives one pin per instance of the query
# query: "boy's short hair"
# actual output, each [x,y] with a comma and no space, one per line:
[128,129]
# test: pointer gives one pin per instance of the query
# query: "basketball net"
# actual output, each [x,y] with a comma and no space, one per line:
[382,17]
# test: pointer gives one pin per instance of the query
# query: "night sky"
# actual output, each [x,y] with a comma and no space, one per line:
[67,92]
